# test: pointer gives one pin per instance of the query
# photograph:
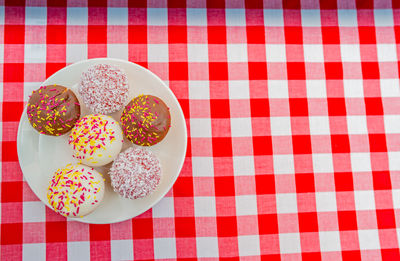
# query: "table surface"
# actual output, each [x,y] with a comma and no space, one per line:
[293,115]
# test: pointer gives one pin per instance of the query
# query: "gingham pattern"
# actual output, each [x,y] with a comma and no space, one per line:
[293,115]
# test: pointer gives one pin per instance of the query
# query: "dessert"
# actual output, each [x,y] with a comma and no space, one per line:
[146,120]
[75,190]
[96,140]
[53,110]
[135,173]
[104,88]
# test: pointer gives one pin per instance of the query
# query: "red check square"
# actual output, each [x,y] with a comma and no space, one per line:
[142,228]
[183,187]
[227,226]
[14,34]
[100,232]
[56,231]
[11,233]
[343,181]
[185,227]
[265,184]
[224,186]
[268,224]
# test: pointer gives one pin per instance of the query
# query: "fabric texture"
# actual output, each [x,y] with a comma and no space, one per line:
[293,116]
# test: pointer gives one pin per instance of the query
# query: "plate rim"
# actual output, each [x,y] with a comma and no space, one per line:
[180,112]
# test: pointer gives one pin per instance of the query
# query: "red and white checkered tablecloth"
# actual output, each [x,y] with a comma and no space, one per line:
[293,114]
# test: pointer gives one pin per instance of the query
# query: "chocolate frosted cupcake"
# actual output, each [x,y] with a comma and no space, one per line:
[53,110]
[146,120]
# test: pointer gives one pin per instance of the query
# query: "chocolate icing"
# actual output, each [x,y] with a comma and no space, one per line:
[146,120]
[53,110]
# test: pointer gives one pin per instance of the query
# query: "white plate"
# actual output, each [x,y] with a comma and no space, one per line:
[41,155]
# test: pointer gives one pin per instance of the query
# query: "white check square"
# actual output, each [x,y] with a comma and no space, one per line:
[246,205]
[394,162]
[322,162]
[383,17]
[353,88]
[197,52]
[118,51]
[157,16]
[369,239]
[241,127]
[286,203]
[117,16]
[390,87]
[243,166]
[237,52]
[196,16]
[273,17]
[164,208]
[34,211]
[235,17]
[325,201]
[278,89]
[360,161]
[283,164]
[396,198]
[79,250]
[316,88]
[249,245]
[164,248]
[387,52]
[207,246]
[205,207]
[199,90]
[329,241]
[310,17]
[157,53]
[238,89]
[275,52]
[350,52]
[357,124]
[35,53]
[77,16]
[203,166]
[347,17]
[313,53]
[35,15]
[392,124]
[280,126]
[319,125]
[76,52]
[289,243]
[200,127]
[121,249]
[364,200]
[34,252]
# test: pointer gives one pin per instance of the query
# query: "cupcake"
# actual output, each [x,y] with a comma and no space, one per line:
[53,110]
[135,173]
[104,88]
[146,120]
[75,190]
[96,140]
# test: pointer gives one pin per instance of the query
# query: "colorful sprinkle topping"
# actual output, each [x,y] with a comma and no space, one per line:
[53,110]
[145,120]
[72,187]
[91,135]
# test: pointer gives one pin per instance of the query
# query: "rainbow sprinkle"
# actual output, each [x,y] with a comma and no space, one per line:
[89,135]
[50,110]
[71,187]
[144,131]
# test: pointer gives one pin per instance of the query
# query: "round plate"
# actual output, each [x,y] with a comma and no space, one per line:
[40,155]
